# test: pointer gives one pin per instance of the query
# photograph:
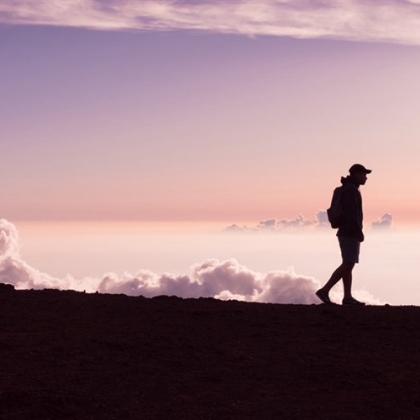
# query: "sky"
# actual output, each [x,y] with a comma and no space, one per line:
[240,115]
[184,110]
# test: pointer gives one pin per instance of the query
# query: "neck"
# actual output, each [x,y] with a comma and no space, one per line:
[354,181]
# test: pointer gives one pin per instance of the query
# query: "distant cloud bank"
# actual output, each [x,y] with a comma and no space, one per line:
[300,223]
[284,225]
[211,278]
[396,21]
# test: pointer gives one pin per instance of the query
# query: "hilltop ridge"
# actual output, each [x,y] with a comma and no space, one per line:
[71,355]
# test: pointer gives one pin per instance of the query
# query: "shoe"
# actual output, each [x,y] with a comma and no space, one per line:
[353,301]
[323,296]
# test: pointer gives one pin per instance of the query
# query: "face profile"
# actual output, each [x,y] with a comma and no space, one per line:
[360,177]
[359,173]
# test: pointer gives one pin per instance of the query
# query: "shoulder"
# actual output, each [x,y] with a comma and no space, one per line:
[350,188]
[350,192]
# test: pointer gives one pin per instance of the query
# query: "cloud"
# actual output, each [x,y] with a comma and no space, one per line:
[322,219]
[9,239]
[270,224]
[284,225]
[384,222]
[298,223]
[301,224]
[211,278]
[395,21]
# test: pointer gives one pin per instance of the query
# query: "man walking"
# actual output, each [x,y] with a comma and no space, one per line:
[350,234]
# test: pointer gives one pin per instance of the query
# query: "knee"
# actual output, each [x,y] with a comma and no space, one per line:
[348,266]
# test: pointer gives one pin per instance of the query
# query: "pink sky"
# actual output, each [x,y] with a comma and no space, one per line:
[232,111]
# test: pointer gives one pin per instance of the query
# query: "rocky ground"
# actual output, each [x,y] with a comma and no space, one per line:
[68,355]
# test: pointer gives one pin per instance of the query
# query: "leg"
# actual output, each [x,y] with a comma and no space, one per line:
[344,271]
[350,249]
[347,280]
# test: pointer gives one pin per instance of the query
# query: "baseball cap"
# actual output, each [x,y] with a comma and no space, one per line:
[357,167]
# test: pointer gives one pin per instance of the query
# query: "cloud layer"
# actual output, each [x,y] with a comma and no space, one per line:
[284,225]
[359,20]
[212,278]
[300,223]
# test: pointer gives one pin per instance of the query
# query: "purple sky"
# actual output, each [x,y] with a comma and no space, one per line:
[172,111]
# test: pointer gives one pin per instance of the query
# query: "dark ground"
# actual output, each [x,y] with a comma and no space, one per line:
[68,355]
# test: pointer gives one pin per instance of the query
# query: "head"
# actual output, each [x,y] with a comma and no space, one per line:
[359,173]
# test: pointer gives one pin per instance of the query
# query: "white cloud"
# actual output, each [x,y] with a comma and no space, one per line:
[322,219]
[9,239]
[269,225]
[362,20]
[300,223]
[212,278]
[295,224]
[384,222]
[284,225]
[219,279]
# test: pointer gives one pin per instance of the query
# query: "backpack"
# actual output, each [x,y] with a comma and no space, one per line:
[335,213]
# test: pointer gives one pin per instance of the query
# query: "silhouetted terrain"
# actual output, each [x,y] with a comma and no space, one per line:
[68,355]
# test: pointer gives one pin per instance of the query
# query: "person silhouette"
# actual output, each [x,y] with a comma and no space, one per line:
[350,235]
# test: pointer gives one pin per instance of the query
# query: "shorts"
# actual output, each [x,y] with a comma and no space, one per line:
[350,249]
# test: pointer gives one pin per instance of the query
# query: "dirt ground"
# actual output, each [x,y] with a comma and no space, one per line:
[68,355]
